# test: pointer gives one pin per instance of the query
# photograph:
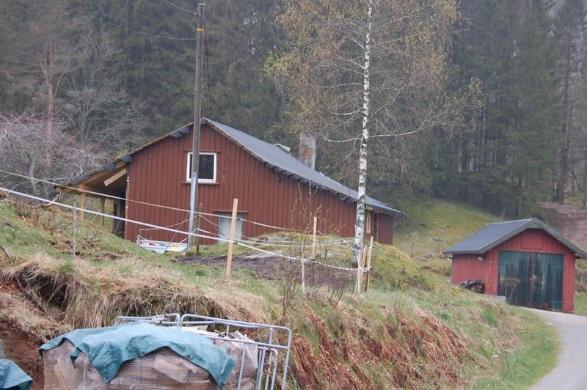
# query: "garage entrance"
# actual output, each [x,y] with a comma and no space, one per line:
[531,279]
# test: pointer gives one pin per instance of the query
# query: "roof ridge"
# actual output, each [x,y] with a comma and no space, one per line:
[511,221]
[296,167]
[494,234]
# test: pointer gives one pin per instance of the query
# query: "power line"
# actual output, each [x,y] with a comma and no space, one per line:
[103,195]
[181,8]
[145,34]
[201,213]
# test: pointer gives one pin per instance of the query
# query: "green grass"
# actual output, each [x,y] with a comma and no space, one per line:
[523,367]
[581,303]
[430,228]
[407,320]
[433,225]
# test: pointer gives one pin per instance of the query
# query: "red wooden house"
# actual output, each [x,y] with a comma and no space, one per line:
[273,188]
[526,261]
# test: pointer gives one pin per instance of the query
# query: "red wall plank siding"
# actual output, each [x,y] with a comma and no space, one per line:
[471,267]
[467,267]
[157,174]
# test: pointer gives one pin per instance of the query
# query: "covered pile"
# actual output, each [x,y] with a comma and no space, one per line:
[134,354]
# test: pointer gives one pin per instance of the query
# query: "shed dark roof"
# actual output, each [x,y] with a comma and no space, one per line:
[273,156]
[494,234]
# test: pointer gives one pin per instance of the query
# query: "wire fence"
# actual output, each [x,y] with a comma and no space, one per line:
[170,208]
[311,270]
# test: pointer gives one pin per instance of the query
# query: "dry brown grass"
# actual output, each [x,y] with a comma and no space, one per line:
[84,296]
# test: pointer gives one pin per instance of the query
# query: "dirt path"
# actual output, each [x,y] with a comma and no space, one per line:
[570,372]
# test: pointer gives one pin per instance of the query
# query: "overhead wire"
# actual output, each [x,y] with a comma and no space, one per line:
[284,242]
[104,195]
[251,240]
[194,13]
[131,221]
[145,34]
[201,213]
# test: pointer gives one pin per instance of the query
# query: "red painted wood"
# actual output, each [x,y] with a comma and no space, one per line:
[157,174]
[467,267]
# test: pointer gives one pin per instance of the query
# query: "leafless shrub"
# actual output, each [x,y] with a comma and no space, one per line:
[29,149]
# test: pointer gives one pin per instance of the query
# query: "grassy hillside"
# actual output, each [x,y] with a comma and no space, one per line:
[434,225]
[411,330]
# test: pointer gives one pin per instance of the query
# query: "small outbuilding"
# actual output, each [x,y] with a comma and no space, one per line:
[525,261]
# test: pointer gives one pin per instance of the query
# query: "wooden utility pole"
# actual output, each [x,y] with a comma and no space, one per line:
[193,228]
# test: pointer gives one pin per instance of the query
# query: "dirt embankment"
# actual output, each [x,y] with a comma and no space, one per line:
[23,349]
[570,219]
[352,351]
[376,341]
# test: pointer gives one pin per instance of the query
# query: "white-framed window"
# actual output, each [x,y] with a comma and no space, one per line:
[207,169]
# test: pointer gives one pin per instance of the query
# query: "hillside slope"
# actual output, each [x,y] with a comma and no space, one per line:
[434,225]
[411,330]
[571,219]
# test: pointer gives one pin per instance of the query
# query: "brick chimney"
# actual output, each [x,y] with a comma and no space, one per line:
[307,149]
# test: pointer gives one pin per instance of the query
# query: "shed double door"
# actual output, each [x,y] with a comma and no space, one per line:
[531,279]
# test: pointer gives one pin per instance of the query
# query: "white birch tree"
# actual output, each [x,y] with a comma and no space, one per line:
[357,71]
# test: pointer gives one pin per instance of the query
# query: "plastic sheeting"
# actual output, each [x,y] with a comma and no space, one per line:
[161,370]
[12,377]
[107,349]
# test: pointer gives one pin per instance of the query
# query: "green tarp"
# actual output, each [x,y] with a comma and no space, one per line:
[12,377]
[108,348]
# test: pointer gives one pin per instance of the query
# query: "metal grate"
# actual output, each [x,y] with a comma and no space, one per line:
[272,342]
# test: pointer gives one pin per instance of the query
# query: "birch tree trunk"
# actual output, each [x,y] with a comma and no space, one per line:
[362,188]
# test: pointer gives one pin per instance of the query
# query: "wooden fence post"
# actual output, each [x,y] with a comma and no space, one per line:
[74,240]
[361,269]
[83,197]
[314,238]
[303,276]
[102,210]
[231,235]
[369,254]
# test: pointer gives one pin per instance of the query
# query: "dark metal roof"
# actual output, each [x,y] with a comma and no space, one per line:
[288,164]
[273,156]
[497,233]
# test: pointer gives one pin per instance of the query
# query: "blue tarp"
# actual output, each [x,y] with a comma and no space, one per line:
[12,377]
[108,348]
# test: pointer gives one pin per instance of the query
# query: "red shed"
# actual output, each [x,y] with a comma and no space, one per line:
[526,261]
[273,187]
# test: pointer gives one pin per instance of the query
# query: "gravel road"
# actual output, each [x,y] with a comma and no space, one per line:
[571,370]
